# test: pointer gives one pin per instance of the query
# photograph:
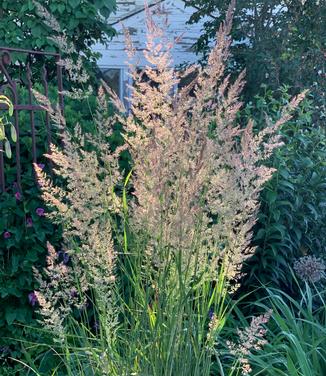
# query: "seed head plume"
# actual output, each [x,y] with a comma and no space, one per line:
[56,294]
[196,173]
[82,202]
[250,339]
[74,66]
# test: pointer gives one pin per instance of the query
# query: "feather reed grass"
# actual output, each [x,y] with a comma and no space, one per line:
[156,256]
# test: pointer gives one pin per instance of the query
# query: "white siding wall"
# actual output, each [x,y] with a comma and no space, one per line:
[126,7]
[115,56]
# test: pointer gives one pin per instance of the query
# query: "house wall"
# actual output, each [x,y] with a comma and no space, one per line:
[132,12]
[114,54]
[126,7]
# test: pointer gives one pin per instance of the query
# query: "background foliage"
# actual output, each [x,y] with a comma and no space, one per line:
[24,232]
[278,42]
[281,47]
[292,218]
[84,22]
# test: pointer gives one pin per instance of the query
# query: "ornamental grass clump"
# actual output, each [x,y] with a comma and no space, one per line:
[159,252]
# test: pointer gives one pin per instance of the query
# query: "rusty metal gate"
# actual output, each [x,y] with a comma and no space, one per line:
[11,84]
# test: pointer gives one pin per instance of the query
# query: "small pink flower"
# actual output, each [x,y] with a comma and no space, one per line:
[41,166]
[18,196]
[40,212]
[7,235]
[29,222]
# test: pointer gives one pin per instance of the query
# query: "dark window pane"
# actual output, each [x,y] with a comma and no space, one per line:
[112,77]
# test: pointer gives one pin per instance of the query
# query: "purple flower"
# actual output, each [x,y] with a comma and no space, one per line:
[29,222]
[7,235]
[18,196]
[310,268]
[210,313]
[65,258]
[41,166]
[32,298]
[40,212]
[73,293]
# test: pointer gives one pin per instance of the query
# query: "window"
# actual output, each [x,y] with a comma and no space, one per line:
[113,78]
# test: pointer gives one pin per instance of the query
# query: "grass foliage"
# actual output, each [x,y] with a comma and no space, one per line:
[297,336]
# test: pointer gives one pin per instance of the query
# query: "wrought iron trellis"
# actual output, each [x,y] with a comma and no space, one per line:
[12,86]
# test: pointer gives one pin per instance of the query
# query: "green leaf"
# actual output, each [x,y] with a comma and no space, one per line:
[11,109]
[313,210]
[10,315]
[260,234]
[15,263]
[8,149]
[61,8]
[74,3]
[2,131]
[13,133]
[284,173]
[287,184]
[271,196]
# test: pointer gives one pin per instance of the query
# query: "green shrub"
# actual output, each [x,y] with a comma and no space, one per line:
[292,218]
